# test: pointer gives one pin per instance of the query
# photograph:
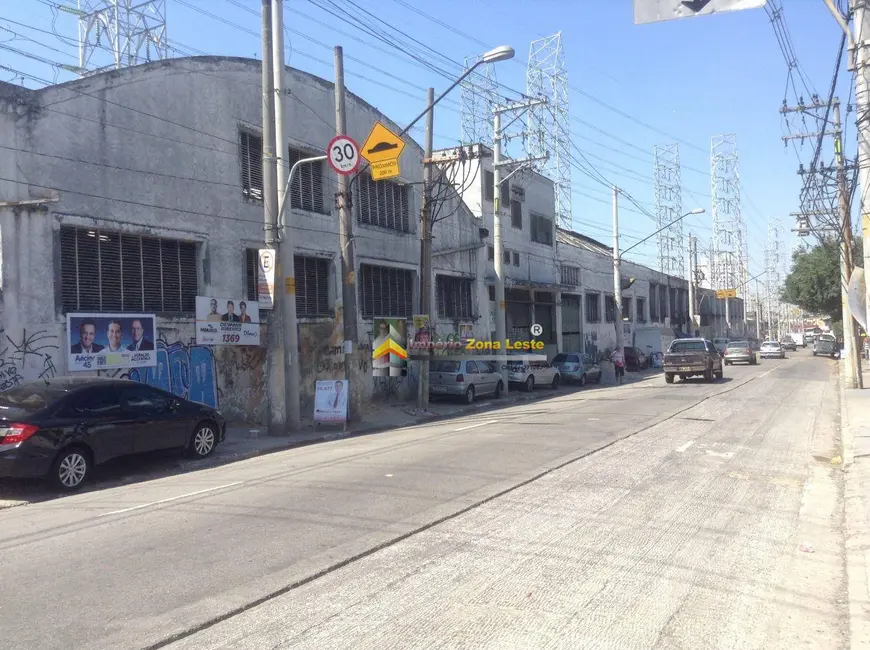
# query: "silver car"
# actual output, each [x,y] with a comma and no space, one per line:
[772,350]
[533,372]
[466,378]
[577,367]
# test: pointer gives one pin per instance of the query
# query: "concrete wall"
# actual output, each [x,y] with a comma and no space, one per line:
[155,150]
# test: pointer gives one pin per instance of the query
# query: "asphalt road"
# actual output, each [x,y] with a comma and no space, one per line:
[640,516]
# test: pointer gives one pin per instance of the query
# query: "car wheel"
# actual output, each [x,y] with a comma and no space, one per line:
[530,384]
[669,378]
[708,375]
[70,469]
[719,373]
[556,381]
[469,395]
[597,377]
[203,440]
[498,389]
[582,381]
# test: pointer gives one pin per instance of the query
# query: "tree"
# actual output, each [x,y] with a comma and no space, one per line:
[814,283]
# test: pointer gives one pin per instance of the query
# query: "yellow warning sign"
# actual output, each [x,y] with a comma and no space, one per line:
[382,150]
[722,294]
[289,286]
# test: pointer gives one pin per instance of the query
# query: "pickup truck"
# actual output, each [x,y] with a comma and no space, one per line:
[691,357]
[826,345]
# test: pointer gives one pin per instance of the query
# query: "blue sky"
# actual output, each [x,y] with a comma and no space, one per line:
[688,80]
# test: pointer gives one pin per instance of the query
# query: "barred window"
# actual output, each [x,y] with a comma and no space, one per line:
[570,274]
[609,309]
[385,291]
[252,166]
[312,282]
[641,310]
[490,253]
[516,214]
[504,195]
[593,307]
[382,203]
[454,296]
[516,258]
[110,271]
[542,229]
[626,308]
[306,193]
[488,185]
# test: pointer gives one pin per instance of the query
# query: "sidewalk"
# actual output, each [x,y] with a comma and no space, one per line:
[855,421]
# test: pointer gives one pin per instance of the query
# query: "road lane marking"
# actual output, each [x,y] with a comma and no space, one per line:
[684,447]
[720,454]
[474,426]
[181,496]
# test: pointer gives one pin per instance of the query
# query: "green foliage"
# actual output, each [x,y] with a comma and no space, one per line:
[814,283]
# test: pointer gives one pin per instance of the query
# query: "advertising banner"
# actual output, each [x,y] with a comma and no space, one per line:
[389,348]
[104,341]
[225,321]
[330,401]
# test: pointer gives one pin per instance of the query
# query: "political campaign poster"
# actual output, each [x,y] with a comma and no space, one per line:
[108,341]
[389,348]
[330,401]
[227,321]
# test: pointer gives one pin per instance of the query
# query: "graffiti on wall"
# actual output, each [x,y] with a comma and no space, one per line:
[26,357]
[189,371]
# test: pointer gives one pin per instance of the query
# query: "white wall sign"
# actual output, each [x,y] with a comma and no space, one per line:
[227,321]
[330,401]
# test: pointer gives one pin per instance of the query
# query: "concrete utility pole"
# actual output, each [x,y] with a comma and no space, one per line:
[426,246]
[285,245]
[861,16]
[345,233]
[758,310]
[498,257]
[277,411]
[852,362]
[691,285]
[617,279]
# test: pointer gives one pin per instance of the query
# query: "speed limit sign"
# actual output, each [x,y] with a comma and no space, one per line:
[343,154]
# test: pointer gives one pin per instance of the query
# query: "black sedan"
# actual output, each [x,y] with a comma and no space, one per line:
[63,427]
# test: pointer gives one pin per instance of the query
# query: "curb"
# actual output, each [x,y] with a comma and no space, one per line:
[856,535]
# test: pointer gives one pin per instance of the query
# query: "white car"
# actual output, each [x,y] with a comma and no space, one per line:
[772,350]
[528,373]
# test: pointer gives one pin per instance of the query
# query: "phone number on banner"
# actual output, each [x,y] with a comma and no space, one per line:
[228,333]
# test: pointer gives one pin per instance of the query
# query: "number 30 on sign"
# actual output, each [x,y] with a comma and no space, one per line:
[343,154]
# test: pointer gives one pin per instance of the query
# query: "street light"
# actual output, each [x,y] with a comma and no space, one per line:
[617,257]
[500,53]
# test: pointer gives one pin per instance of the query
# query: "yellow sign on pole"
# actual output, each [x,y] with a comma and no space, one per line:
[382,150]
[722,294]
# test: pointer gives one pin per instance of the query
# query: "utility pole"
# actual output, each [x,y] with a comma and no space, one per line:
[691,286]
[498,257]
[345,233]
[277,412]
[285,245]
[861,17]
[426,246]
[617,280]
[758,310]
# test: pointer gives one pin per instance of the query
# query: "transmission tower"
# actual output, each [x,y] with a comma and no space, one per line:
[124,32]
[729,237]
[669,209]
[478,94]
[548,132]
[772,265]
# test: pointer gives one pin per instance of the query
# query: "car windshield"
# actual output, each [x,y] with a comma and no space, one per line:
[30,396]
[688,346]
[445,366]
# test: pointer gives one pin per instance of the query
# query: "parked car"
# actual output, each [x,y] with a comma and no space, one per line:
[466,378]
[772,350]
[788,343]
[799,339]
[635,359]
[529,373]
[721,344]
[691,357]
[577,367]
[61,428]
[740,352]
[826,344]
[810,338]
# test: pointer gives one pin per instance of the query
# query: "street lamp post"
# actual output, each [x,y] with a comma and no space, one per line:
[501,53]
[617,259]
